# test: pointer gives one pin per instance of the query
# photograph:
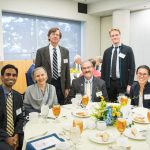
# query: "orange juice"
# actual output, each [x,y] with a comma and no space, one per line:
[56,110]
[124,100]
[85,100]
[148,116]
[79,123]
[121,125]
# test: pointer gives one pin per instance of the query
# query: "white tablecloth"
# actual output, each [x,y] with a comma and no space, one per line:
[37,129]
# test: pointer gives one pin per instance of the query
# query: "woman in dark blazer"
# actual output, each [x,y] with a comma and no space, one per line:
[140,90]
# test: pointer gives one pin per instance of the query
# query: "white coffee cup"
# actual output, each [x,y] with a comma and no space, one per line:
[101,125]
[33,116]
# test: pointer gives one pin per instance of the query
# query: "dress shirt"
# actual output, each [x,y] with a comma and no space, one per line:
[117,63]
[58,58]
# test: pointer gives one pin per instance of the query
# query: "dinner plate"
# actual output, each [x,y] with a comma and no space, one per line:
[136,119]
[81,114]
[98,139]
[138,136]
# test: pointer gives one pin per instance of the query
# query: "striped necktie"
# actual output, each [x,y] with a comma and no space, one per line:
[55,64]
[9,110]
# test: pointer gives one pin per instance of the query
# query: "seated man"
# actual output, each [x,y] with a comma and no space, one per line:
[88,85]
[11,117]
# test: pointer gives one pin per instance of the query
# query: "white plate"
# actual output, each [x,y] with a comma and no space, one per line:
[138,136]
[138,121]
[97,139]
[84,114]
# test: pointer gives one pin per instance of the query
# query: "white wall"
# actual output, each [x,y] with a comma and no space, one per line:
[60,9]
[106,25]
[140,37]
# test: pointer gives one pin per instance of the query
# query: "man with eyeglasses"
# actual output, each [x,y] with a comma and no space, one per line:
[96,85]
[118,67]
[11,116]
[55,59]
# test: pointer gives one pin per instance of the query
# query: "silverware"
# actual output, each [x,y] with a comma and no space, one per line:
[33,137]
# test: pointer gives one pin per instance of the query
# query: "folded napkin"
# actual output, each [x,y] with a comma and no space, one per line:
[43,143]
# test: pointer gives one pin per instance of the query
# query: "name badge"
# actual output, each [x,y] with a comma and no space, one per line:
[146,96]
[122,55]
[65,61]
[18,111]
[98,94]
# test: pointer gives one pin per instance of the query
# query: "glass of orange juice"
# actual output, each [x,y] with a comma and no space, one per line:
[121,126]
[78,123]
[148,115]
[56,110]
[85,100]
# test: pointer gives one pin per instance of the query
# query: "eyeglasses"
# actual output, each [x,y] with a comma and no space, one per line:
[11,74]
[142,74]
[83,68]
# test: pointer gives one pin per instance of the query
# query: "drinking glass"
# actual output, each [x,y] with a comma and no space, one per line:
[78,98]
[78,123]
[75,136]
[121,126]
[85,100]
[148,115]
[56,110]
[44,112]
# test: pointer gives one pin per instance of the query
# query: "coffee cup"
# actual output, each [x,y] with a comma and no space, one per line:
[33,116]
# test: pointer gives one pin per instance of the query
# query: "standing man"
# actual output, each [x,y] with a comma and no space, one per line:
[55,59]
[88,85]
[11,117]
[118,67]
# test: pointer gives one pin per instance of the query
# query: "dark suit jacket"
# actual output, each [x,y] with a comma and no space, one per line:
[43,59]
[134,94]
[126,66]
[18,119]
[78,87]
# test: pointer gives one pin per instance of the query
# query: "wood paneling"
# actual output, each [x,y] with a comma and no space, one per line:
[23,66]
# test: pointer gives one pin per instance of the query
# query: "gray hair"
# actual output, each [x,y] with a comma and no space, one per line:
[36,69]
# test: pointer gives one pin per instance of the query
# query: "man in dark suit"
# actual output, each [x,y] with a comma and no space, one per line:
[11,133]
[79,85]
[118,67]
[57,67]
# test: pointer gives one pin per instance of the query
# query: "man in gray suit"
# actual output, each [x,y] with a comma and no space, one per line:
[55,59]
[79,85]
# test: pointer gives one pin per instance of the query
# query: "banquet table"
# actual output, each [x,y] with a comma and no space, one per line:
[42,128]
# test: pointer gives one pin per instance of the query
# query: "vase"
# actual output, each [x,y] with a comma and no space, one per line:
[101,125]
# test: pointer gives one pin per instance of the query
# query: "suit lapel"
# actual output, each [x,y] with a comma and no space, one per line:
[62,57]
[81,82]
[47,55]
[93,88]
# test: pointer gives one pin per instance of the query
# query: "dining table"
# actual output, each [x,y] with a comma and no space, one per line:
[61,127]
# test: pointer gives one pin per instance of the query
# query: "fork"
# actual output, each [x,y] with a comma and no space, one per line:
[33,137]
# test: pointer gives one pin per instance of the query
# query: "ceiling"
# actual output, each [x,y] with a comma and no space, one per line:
[106,7]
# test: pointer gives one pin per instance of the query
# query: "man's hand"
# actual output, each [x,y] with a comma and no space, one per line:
[66,92]
[13,141]
[128,89]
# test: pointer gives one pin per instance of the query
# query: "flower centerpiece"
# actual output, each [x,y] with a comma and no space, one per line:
[109,114]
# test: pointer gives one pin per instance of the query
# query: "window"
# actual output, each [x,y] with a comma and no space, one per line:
[24,34]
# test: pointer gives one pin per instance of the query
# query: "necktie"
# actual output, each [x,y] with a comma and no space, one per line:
[55,64]
[114,61]
[9,110]
[88,89]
